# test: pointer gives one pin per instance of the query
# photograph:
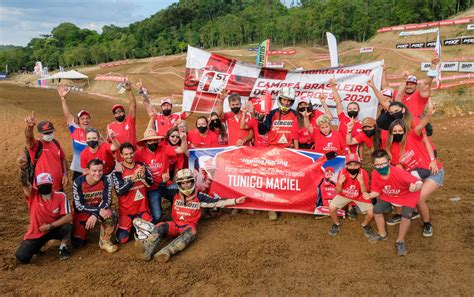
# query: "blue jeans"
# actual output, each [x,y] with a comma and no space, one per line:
[154,201]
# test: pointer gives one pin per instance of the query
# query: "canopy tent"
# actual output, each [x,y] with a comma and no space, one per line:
[71,74]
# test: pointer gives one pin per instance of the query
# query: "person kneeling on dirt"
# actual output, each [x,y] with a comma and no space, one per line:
[50,216]
[392,186]
[92,194]
[352,182]
[186,212]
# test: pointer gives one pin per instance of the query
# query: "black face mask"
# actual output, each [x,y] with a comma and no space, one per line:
[397,137]
[353,114]
[369,133]
[202,130]
[235,110]
[152,146]
[397,115]
[120,118]
[216,124]
[327,179]
[167,112]
[45,189]
[93,143]
[353,171]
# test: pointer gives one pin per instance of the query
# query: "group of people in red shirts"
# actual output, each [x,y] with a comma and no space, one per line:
[406,169]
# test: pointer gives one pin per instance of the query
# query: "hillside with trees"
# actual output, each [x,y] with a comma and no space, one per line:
[223,23]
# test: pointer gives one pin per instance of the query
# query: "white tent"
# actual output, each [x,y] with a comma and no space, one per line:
[71,74]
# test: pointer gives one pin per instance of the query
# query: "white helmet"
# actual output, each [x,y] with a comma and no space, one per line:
[286,93]
[182,176]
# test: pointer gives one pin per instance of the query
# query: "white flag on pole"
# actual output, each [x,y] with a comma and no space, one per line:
[332,44]
[438,51]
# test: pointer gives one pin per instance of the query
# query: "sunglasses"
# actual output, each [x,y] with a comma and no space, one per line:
[174,136]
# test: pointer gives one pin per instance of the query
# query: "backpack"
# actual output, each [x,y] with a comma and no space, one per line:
[31,164]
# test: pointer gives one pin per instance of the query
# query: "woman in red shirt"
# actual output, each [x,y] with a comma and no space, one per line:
[201,137]
[370,135]
[415,154]
[217,127]
[326,140]
[95,150]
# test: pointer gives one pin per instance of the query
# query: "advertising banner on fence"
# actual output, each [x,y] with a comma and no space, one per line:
[418,32]
[272,178]
[366,50]
[467,40]
[208,73]
[466,66]
[111,77]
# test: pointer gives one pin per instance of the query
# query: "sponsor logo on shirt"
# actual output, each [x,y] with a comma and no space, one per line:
[283,123]
[351,192]
[387,190]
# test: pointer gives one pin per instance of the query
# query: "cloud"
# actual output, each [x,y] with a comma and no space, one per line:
[20,21]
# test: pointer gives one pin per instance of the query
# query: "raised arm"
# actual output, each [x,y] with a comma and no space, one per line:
[335,94]
[115,145]
[426,119]
[349,139]
[29,133]
[131,99]
[220,103]
[322,97]
[243,115]
[425,89]
[145,98]
[384,101]
[62,92]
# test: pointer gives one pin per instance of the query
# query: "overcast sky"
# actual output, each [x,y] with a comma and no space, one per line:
[22,20]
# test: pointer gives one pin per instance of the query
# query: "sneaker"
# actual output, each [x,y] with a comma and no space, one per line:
[395,220]
[64,254]
[334,229]
[367,230]
[401,248]
[108,246]
[352,213]
[427,230]
[416,215]
[377,237]
[272,216]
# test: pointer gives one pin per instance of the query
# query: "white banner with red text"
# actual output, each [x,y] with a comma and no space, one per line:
[209,73]
[273,179]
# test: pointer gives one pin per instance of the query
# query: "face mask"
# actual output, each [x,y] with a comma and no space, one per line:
[235,110]
[369,133]
[48,137]
[202,130]
[120,118]
[353,171]
[383,170]
[45,189]
[152,146]
[167,112]
[215,124]
[397,137]
[352,114]
[93,143]
[397,115]
[327,180]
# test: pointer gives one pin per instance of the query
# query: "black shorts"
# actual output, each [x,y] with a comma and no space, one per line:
[385,207]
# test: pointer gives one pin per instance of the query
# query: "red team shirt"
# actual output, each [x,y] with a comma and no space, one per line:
[50,161]
[343,121]
[156,161]
[362,138]
[414,102]
[44,211]
[233,127]
[284,129]
[395,189]
[198,141]
[134,201]
[258,140]
[164,123]
[415,154]
[104,153]
[124,131]
[331,143]
[176,161]
[351,186]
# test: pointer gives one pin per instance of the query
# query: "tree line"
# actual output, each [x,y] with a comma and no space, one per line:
[224,23]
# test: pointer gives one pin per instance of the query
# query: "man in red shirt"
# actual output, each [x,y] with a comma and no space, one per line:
[50,216]
[237,136]
[92,195]
[186,213]
[392,186]
[414,96]
[52,158]
[166,119]
[352,182]
[102,151]
[124,127]
[131,186]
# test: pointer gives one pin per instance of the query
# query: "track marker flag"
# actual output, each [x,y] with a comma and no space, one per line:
[438,51]
[332,44]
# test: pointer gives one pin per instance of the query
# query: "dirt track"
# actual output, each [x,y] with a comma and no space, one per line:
[245,254]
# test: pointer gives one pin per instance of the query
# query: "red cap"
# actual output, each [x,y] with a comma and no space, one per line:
[117,106]
[44,178]
[329,168]
[352,158]
[79,114]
